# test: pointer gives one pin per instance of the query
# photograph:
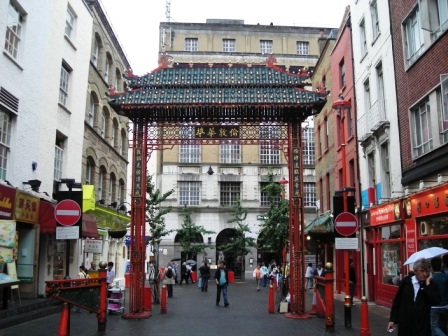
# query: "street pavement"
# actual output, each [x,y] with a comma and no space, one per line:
[192,312]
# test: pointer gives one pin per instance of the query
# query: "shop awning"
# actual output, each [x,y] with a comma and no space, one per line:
[322,224]
[47,222]
[89,228]
[105,217]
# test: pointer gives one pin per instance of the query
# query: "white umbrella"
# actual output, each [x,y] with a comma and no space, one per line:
[427,253]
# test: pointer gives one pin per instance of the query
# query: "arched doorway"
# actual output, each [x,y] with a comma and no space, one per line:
[185,255]
[233,261]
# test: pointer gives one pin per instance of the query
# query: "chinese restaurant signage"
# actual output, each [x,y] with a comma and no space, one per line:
[26,208]
[411,237]
[7,200]
[386,213]
[429,202]
[217,132]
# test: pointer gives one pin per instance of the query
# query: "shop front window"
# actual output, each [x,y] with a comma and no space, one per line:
[433,232]
[390,232]
[391,255]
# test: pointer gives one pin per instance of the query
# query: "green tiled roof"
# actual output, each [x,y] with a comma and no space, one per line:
[217,76]
[216,85]
[217,95]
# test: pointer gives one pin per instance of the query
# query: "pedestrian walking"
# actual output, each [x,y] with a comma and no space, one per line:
[183,273]
[168,279]
[264,275]
[352,280]
[439,313]
[412,304]
[257,276]
[175,267]
[309,276]
[222,281]
[205,275]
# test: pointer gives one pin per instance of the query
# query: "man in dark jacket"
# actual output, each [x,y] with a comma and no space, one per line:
[222,280]
[412,303]
[205,275]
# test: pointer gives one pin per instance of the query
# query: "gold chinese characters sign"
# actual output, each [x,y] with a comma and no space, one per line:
[217,132]
[138,172]
[296,173]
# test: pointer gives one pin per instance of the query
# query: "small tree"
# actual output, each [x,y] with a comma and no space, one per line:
[189,235]
[155,215]
[241,244]
[275,235]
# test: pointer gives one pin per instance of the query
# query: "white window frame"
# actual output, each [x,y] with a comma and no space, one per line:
[363,37]
[124,144]
[421,129]
[191,44]
[303,47]
[103,124]
[89,172]
[95,52]
[58,162]
[438,17]
[189,152]
[269,150]
[13,38]
[189,192]
[309,155]
[91,116]
[413,36]
[230,152]
[107,67]
[385,170]
[70,20]
[64,84]
[380,91]
[309,192]
[266,46]
[375,20]
[371,170]
[5,141]
[228,45]
[444,109]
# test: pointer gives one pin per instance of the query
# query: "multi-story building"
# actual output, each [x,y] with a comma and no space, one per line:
[379,140]
[43,77]
[105,146]
[181,168]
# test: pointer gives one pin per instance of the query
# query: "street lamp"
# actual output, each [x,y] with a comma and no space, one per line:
[342,106]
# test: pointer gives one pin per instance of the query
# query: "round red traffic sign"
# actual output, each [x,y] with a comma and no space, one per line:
[67,212]
[346,224]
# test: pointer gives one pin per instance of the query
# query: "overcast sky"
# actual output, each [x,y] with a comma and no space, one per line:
[136,22]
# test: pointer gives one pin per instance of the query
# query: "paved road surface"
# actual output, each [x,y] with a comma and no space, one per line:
[191,312]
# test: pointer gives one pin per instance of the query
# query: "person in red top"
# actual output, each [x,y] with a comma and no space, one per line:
[257,276]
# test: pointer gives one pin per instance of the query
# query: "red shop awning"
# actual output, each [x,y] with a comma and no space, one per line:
[47,221]
[89,228]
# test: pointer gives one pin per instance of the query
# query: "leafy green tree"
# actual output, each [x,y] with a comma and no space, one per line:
[190,235]
[155,215]
[275,229]
[241,244]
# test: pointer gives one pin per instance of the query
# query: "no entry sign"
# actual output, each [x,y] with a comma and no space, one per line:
[346,224]
[67,212]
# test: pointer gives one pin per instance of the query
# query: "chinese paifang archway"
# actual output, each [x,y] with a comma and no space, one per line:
[233,97]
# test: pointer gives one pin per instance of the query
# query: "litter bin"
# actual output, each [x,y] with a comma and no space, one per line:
[147,299]
[127,279]
[231,276]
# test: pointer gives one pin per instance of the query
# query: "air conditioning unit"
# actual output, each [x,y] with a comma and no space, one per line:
[424,229]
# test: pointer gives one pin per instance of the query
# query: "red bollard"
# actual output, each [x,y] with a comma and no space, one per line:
[63,322]
[147,302]
[365,329]
[271,299]
[329,298]
[163,300]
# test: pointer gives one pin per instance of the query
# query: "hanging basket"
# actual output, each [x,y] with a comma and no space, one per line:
[117,233]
